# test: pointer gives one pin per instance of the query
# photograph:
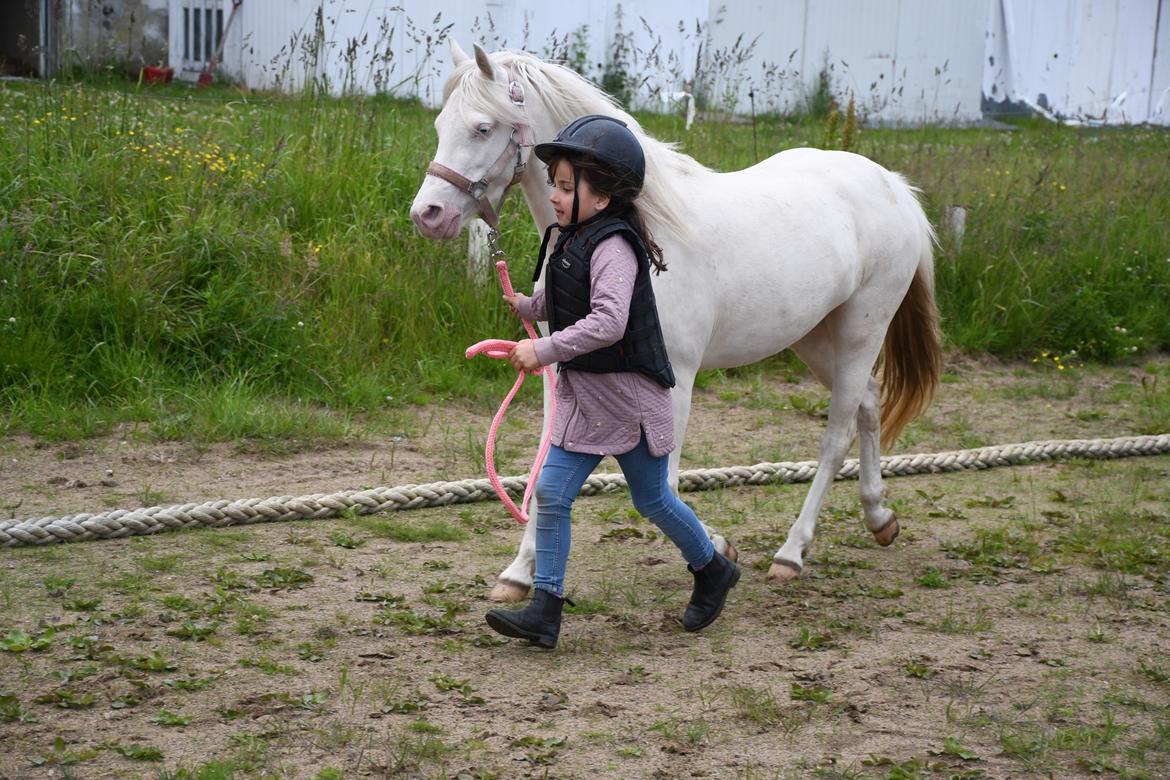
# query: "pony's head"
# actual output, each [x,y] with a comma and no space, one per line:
[485,139]
[495,108]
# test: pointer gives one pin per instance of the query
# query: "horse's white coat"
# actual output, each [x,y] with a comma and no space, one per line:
[809,249]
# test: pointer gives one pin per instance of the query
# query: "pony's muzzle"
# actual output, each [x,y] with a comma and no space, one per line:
[435,221]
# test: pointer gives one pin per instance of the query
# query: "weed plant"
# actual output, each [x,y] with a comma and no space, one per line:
[216,265]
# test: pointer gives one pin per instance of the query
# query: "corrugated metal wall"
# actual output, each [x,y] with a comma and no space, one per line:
[1082,60]
[904,60]
[1159,89]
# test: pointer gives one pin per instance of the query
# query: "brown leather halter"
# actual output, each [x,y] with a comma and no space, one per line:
[478,189]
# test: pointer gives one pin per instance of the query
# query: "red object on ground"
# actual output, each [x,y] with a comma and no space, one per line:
[206,79]
[153,74]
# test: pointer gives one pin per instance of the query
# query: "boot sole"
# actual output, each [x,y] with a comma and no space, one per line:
[501,625]
[719,611]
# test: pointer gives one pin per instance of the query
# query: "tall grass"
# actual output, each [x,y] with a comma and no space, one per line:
[153,248]
[1068,242]
[162,250]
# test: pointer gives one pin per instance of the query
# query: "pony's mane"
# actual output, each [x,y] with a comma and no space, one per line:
[566,96]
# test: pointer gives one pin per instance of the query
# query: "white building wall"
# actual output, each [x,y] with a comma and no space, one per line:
[904,60]
[399,45]
[1081,60]
[1159,89]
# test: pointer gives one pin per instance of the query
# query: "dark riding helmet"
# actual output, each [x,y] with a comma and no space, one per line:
[605,139]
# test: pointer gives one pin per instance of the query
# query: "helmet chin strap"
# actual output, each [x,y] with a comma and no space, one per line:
[576,183]
[573,225]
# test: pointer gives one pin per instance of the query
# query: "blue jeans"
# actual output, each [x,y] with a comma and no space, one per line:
[559,483]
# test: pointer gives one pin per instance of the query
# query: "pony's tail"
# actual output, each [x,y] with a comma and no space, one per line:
[912,354]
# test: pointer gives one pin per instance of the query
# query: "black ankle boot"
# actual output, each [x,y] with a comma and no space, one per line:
[539,622]
[712,584]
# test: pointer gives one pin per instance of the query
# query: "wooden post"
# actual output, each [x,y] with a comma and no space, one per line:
[478,252]
[956,224]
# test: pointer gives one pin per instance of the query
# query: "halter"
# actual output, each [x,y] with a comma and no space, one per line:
[517,143]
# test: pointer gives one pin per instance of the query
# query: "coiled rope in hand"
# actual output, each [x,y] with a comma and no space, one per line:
[501,349]
[122,522]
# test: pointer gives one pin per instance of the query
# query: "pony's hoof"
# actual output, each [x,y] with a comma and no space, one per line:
[886,535]
[781,571]
[508,592]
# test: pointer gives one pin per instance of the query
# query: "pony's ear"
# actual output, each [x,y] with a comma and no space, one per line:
[458,56]
[484,63]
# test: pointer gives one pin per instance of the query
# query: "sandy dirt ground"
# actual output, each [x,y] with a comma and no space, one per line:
[1017,628]
[734,421]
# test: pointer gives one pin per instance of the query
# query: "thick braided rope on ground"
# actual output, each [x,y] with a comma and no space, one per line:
[119,523]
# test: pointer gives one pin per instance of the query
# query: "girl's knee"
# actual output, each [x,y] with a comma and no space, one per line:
[653,508]
[551,494]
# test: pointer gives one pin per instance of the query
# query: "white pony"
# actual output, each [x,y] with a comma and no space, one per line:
[826,253]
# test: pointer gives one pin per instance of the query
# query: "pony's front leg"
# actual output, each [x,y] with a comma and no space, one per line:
[724,547]
[514,582]
[680,398]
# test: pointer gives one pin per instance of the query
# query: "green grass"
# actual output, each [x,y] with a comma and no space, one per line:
[434,530]
[216,770]
[756,705]
[231,267]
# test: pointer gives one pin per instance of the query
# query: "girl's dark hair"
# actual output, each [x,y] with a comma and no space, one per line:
[622,198]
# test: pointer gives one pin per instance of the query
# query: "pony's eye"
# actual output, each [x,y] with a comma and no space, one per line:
[483,131]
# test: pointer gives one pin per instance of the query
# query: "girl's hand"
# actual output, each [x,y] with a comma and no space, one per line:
[513,300]
[523,356]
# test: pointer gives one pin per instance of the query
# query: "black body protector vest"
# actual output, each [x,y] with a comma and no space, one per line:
[641,348]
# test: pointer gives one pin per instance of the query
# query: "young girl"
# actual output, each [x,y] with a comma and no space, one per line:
[613,389]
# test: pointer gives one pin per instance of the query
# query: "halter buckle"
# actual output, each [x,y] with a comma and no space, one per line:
[493,239]
[477,189]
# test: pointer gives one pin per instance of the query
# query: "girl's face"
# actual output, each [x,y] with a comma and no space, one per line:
[588,201]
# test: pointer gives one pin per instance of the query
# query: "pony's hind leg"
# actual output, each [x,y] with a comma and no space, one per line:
[879,519]
[788,561]
[845,370]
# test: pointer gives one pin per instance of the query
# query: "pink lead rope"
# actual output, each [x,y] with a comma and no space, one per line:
[500,349]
